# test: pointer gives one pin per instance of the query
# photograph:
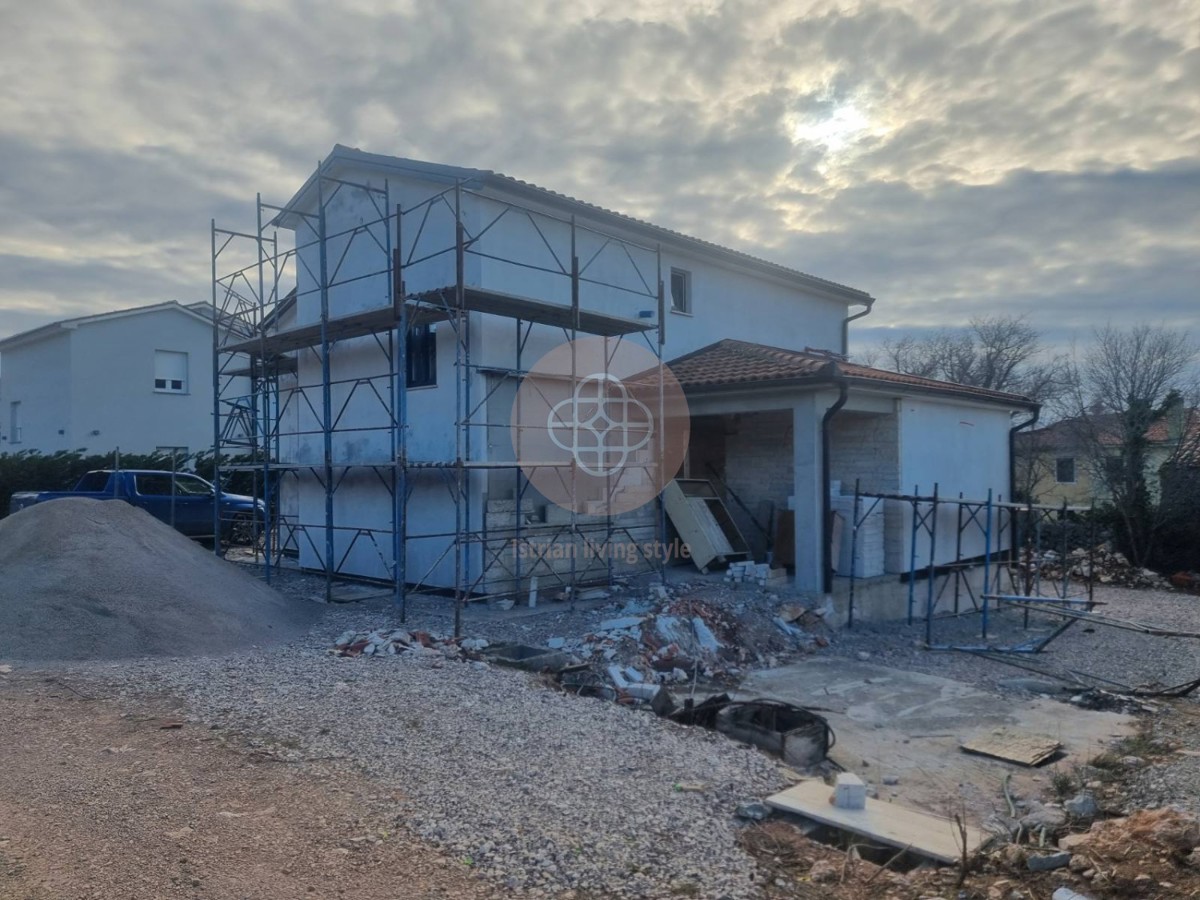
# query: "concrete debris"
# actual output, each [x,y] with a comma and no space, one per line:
[758,573]
[1082,806]
[1107,565]
[1065,893]
[752,810]
[1049,817]
[398,641]
[1048,861]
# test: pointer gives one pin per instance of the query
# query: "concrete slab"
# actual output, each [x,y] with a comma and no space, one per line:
[886,823]
[910,725]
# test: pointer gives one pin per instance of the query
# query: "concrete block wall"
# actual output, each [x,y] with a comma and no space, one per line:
[759,465]
[869,548]
[865,446]
[547,551]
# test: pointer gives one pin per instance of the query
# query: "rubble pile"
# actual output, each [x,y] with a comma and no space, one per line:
[398,641]
[687,633]
[1108,566]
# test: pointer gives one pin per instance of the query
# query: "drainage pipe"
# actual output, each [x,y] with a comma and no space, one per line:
[836,377]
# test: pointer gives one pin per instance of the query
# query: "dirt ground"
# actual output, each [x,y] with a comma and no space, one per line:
[99,804]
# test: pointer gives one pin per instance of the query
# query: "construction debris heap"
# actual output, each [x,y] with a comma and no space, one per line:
[85,579]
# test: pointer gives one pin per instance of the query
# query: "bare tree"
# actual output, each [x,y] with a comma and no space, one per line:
[1133,392]
[1000,352]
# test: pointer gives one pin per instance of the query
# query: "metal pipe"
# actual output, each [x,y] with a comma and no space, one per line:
[836,377]
[216,389]
[326,393]
[987,562]
[853,551]
[264,385]
[846,325]
[929,602]
[1012,445]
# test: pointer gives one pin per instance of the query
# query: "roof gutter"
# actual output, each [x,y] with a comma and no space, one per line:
[835,377]
[870,303]
[1012,447]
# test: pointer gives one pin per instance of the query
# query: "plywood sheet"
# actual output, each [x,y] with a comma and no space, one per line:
[1013,746]
[887,823]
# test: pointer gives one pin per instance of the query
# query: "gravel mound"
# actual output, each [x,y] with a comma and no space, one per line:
[87,579]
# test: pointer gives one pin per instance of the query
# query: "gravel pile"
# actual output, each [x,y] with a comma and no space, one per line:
[89,579]
[541,791]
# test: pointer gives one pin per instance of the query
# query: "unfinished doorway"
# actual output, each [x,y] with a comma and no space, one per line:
[748,457]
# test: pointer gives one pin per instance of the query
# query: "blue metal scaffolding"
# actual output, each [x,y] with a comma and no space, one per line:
[278,330]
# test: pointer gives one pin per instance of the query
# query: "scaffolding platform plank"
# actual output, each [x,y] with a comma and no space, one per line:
[887,823]
[423,309]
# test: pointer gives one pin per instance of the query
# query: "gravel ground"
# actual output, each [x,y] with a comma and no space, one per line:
[541,791]
[1107,653]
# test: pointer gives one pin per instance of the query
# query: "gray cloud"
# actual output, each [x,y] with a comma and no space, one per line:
[1002,155]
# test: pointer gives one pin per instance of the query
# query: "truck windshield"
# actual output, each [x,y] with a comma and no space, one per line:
[159,483]
[93,482]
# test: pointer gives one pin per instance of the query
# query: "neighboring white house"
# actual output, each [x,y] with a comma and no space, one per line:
[758,349]
[138,379]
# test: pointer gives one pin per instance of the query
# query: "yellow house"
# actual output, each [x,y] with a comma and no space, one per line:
[1060,462]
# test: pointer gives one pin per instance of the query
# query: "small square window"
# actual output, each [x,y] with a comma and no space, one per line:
[1064,470]
[681,290]
[170,371]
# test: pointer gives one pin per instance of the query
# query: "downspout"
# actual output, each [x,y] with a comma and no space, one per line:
[1012,451]
[846,326]
[835,377]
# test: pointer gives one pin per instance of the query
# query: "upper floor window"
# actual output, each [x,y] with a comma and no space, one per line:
[1064,470]
[421,349]
[170,371]
[681,290]
[14,422]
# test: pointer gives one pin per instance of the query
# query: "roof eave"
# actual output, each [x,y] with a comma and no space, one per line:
[303,201]
[1012,401]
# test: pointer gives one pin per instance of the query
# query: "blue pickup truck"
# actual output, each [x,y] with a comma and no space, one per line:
[182,500]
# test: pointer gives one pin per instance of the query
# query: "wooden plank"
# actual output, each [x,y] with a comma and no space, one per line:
[691,531]
[1011,746]
[887,823]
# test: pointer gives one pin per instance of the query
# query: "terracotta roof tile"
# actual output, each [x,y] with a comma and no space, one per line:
[1074,433]
[730,362]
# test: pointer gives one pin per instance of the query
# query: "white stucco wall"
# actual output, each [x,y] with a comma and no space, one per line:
[98,376]
[960,447]
[38,376]
[767,311]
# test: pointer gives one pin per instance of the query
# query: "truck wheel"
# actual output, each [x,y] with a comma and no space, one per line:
[243,530]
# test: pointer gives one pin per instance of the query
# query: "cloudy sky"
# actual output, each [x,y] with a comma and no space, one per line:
[950,157]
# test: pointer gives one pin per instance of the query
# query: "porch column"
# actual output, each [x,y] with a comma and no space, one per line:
[806,459]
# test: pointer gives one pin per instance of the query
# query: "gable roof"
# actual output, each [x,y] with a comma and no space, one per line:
[45,331]
[1076,432]
[729,363]
[476,179]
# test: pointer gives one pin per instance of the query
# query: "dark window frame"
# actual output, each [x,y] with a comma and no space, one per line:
[421,356]
[681,299]
[1058,470]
